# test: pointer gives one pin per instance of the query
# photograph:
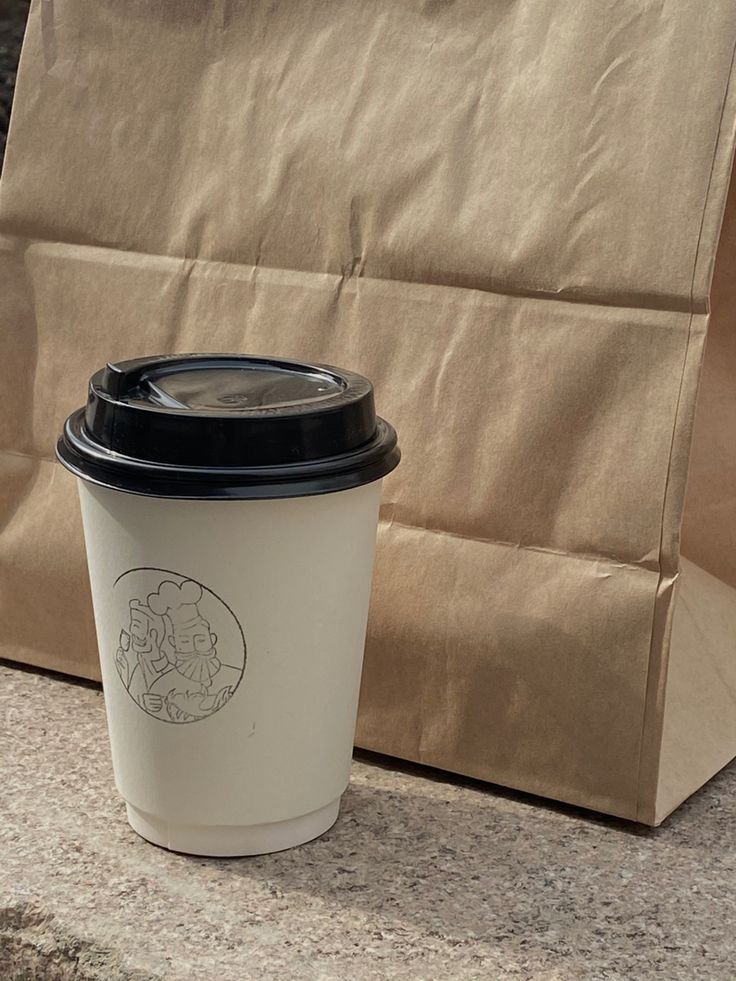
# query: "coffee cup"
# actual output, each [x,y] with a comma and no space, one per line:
[230,507]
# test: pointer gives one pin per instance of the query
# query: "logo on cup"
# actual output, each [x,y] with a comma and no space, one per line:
[181,650]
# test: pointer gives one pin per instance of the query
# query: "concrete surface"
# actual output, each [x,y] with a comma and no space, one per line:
[421,878]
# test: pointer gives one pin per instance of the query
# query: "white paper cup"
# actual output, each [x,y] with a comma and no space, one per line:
[231,636]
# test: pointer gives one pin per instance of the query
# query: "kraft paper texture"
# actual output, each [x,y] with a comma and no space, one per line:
[506,215]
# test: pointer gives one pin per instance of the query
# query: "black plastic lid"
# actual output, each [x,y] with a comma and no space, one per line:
[227,426]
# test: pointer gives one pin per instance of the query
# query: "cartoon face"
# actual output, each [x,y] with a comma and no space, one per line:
[196,638]
[143,633]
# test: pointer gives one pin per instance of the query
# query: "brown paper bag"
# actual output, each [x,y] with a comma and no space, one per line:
[507,216]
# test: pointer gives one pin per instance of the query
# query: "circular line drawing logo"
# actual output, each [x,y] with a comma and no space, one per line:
[181,651]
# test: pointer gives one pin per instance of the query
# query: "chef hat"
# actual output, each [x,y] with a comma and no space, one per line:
[178,603]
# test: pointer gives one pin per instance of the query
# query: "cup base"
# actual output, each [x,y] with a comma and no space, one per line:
[233,840]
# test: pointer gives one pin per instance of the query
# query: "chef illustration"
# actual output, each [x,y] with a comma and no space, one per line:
[195,682]
[139,658]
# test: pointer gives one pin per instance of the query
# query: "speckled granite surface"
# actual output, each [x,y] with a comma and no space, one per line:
[420,878]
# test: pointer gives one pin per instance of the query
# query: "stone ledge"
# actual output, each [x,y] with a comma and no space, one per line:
[420,878]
